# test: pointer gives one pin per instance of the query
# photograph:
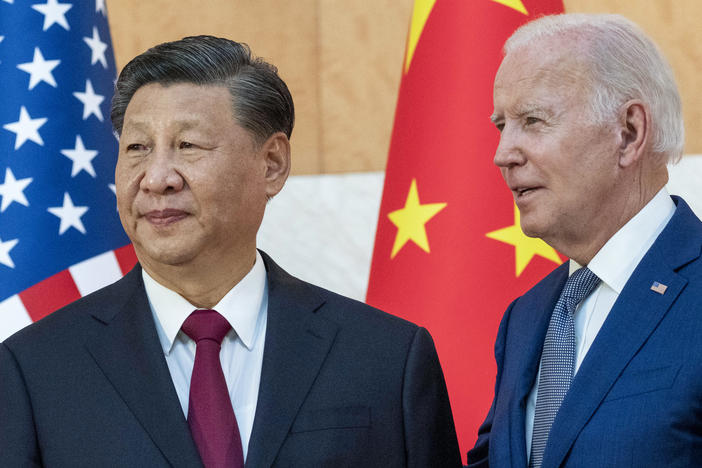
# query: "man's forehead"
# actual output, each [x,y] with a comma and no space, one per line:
[150,93]
[140,122]
[528,79]
[186,104]
[558,52]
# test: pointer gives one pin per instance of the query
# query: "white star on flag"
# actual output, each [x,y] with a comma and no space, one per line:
[69,214]
[26,128]
[81,158]
[5,248]
[12,190]
[91,101]
[100,7]
[39,69]
[8,1]
[97,48]
[54,12]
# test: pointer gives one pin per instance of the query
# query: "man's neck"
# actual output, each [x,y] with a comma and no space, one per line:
[202,283]
[582,248]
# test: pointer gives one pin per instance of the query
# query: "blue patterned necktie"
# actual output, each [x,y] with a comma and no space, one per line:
[558,359]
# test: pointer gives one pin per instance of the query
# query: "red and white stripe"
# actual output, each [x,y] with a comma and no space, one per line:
[63,288]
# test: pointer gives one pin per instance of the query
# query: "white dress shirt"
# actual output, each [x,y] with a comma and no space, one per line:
[245,307]
[613,264]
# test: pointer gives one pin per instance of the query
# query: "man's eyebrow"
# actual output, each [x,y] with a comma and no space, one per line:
[521,112]
[139,124]
[531,109]
[135,124]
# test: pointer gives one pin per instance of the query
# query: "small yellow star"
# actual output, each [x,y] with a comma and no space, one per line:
[411,219]
[525,248]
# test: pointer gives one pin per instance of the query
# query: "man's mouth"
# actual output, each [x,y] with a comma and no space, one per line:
[525,191]
[165,217]
[520,192]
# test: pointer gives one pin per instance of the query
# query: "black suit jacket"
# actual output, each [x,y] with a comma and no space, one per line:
[342,384]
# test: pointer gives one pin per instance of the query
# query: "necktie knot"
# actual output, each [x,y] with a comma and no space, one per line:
[206,324]
[579,285]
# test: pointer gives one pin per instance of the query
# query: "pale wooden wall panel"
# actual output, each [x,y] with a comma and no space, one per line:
[342,60]
[362,46]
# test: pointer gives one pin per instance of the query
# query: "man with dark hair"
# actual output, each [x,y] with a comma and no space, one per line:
[208,353]
[600,363]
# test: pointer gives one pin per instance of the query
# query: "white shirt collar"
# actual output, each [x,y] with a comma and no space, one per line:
[618,258]
[240,306]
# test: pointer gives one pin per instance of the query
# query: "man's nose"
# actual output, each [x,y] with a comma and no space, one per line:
[162,175]
[509,151]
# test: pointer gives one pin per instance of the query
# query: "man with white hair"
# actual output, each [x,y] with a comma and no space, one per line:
[600,363]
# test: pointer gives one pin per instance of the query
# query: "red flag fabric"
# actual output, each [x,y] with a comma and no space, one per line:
[449,253]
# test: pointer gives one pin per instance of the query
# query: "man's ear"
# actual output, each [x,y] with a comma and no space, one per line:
[635,131]
[276,155]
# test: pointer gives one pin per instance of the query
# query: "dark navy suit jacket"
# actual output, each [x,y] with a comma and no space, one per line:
[636,400]
[342,384]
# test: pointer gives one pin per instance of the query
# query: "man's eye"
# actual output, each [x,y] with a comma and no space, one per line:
[532,120]
[186,145]
[135,147]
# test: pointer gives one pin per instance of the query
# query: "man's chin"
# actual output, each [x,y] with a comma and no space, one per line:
[531,228]
[156,256]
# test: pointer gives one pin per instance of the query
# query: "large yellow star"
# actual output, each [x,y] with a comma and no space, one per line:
[515,4]
[525,248]
[420,15]
[411,219]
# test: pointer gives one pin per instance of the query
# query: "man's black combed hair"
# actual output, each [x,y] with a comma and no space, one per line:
[261,100]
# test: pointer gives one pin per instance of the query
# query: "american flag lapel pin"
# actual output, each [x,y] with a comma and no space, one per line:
[658,287]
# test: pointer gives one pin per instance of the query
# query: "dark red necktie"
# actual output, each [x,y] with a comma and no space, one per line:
[210,414]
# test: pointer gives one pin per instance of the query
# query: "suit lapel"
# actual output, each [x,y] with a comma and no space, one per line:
[635,315]
[127,350]
[534,313]
[297,343]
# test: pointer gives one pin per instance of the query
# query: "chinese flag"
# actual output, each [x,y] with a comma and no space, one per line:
[449,254]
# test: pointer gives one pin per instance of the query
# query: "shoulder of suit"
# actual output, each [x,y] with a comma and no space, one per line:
[344,308]
[341,309]
[67,321]
[554,280]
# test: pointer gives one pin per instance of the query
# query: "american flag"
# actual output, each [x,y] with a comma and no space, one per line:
[658,287]
[60,235]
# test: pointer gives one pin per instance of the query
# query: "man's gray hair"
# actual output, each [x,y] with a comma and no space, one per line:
[261,100]
[624,64]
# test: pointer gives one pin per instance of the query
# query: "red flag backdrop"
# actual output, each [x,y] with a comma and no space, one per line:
[448,253]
